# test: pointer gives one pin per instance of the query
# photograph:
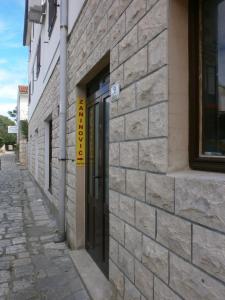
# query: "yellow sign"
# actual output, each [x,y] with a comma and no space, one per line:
[80,131]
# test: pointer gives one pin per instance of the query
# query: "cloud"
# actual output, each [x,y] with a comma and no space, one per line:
[5,107]
[2,26]
[3,61]
[8,91]
[10,78]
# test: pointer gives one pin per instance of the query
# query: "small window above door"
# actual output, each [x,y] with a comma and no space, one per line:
[52,12]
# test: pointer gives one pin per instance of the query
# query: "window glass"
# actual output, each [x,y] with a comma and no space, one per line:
[51,15]
[212,77]
[38,58]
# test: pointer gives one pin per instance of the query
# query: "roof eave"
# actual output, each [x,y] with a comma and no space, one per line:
[26,23]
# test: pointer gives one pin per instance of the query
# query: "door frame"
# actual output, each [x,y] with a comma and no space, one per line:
[100,97]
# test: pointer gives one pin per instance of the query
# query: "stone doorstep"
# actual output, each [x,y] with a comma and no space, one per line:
[98,287]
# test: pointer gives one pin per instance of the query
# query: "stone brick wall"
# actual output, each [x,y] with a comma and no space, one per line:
[167,230]
[23,152]
[48,105]
[159,247]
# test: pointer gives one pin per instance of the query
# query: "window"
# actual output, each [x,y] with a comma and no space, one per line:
[52,11]
[38,58]
[207,84]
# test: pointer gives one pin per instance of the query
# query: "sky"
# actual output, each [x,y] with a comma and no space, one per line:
[13,55]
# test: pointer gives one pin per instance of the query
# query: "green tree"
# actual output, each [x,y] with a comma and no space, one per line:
[1,142]
[24,128]
[7,138]
[13,113]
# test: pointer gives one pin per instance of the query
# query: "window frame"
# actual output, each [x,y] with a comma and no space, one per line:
[197,162]
[38,56]
[52,13]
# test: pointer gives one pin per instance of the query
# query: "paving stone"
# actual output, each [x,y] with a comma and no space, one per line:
[15,249]
[32,266]
[4,263]
[22,261]
[20,240]
[4,243]
[4,276]
[4,289]
[21,285]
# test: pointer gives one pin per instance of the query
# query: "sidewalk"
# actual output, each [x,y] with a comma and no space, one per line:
[32,266]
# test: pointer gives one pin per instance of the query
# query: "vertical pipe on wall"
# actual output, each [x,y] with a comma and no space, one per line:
[62,115]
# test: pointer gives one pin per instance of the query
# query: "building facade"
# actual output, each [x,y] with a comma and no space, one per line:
[145,150]
[22,118]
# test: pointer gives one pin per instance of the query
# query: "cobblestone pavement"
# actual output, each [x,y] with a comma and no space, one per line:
[32,266]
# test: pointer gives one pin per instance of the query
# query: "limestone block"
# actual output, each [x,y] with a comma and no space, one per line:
[118,30]
[126,209]
[126,102]
[71,180]
[209,251]
[133,241]
[114,202]
[101,11]
[162,292]
[145,218]
[135,67]
[136,124]
[71,168]
[117,179]
[126,263]
[153,155]
[70,193]
[153,88]
[153,23]
[150,3]
[114,154]
[114,58]
[155,258]
[71,139]
[124,4]
[144,280]
[192,283]
[135,184]
[201,200]
[131,293]
[117,76]
[158,120]
[129,154]
[113,109]
[174,233]
[116,229]
[113,13]
[128,45]
[160,191]
[117,129]
[158,52]
[134,12]
[116,277]
[113,250]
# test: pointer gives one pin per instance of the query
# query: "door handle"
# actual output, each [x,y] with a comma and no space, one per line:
[97,177]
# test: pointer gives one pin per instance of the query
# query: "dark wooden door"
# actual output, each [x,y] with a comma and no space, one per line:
[97,212]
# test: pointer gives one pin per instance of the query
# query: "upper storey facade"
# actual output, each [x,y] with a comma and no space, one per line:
[42,36]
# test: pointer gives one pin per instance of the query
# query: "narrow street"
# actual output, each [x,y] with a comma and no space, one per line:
[32,266]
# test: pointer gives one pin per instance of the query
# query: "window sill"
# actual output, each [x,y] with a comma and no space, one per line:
[202,175]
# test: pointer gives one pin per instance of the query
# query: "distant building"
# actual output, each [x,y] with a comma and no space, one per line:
[22,115]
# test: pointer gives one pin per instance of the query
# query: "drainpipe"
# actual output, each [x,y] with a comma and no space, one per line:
[62,115]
